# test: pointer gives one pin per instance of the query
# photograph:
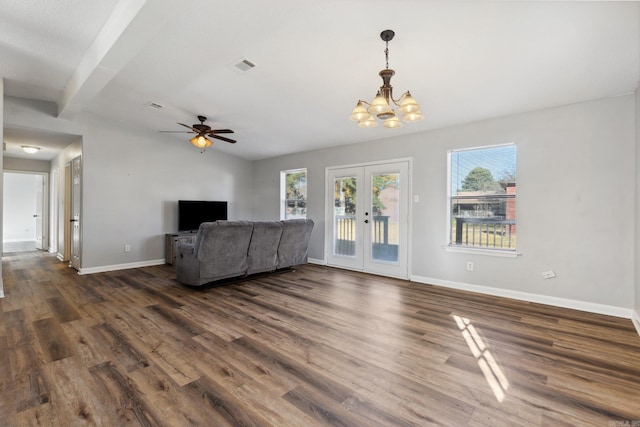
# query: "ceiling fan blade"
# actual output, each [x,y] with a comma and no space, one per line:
[212,131]
[174,131]
[222,138]
[192,128]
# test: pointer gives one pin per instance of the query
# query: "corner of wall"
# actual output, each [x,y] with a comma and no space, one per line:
[636,276]
[1,168]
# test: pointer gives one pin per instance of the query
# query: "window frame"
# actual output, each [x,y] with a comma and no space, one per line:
[283,191]
[470,249]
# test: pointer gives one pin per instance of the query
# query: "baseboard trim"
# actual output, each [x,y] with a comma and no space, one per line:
[608,310]
[60,256]
[635,318]
[106,268]
[1,288]
[316,261]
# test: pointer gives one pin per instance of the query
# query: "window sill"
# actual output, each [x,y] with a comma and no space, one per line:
[482,251]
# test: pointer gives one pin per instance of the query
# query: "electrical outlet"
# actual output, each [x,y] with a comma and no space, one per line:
[548,274]
[127,248]
[469,265]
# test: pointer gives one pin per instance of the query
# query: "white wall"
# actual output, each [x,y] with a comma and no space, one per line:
[31,165]
[19,201]
[575,169]
[637,215]
[132,181]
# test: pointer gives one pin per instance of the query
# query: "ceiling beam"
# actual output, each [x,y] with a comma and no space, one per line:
[127,31]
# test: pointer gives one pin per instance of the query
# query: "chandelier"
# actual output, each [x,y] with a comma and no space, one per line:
[382,107]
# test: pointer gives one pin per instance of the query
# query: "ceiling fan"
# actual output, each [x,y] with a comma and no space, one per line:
[202,131]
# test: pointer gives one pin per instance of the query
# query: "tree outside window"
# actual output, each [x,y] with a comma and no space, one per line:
[293,194]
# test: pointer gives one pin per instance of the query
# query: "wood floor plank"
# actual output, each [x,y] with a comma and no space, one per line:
[122,351]
[31,389]
[63,310]
[227,408]
[173,405]
[17,328]
[122,399]
[73,394]
[52,339]
[311,347]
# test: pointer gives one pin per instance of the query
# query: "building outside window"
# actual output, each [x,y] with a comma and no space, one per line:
[482,197]
[293,194]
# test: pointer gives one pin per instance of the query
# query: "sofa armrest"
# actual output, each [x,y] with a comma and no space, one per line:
[187,265]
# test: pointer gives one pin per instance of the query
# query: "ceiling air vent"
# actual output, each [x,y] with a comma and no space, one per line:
[241,65]
[245,65]
[155,106]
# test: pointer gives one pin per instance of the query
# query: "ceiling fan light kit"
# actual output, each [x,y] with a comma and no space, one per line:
[201,142]
[382,105]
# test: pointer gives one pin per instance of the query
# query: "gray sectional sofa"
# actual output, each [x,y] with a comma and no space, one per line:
[226,249]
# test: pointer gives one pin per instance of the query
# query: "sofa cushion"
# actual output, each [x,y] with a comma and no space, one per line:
[263,250]
[294,242]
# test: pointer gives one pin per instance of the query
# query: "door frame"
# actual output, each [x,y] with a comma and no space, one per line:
[75,214]
[328,237]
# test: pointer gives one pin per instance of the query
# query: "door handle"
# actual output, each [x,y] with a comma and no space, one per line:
[73,220]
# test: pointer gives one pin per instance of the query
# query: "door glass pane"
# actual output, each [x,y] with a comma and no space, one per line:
[385,216]
[344,216]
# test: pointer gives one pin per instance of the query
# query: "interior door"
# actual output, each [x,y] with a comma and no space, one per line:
[75,213]
[367,218]
[38,215]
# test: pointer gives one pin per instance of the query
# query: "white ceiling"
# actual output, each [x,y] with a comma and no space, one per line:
[462,61]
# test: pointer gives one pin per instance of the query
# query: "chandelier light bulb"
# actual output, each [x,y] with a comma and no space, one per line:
[412,117]
[369,123]
[360,113]
[392,123]
[408,105]
[379,105]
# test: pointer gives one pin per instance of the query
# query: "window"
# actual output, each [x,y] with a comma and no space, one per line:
[293,194]
[482,198]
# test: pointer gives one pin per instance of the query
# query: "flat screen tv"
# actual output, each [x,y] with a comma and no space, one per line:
[192,213]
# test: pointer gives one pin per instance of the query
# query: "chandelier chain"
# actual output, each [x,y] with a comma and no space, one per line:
[386,54]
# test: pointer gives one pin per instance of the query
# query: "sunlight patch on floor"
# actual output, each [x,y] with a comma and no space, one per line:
[488,365]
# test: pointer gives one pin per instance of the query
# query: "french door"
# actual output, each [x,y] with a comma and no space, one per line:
[367,218]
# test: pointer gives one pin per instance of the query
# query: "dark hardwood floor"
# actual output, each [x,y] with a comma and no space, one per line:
[318,346]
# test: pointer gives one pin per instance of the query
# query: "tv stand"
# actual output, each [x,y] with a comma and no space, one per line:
[173,240]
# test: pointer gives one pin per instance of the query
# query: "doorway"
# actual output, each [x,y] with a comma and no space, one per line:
[367,218]
[25,204]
